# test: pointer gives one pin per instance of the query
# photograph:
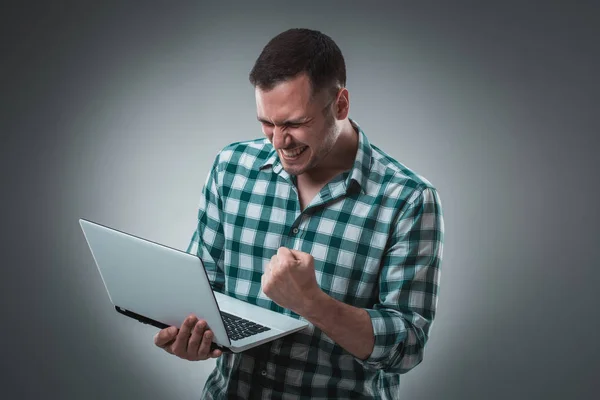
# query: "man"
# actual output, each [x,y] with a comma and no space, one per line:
[316,223]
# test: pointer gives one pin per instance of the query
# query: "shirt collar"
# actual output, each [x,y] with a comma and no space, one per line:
[272,158]
[360,169]
[362,162]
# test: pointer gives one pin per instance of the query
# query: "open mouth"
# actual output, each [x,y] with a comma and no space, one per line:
[294,153]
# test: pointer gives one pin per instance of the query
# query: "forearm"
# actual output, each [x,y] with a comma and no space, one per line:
[348,326]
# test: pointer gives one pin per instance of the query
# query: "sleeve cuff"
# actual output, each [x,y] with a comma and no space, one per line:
[390,333]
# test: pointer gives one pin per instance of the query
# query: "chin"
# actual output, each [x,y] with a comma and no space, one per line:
[293,170]
[296,169]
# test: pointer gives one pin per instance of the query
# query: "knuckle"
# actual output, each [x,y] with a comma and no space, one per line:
[277,273]
[178,350]
[182,354]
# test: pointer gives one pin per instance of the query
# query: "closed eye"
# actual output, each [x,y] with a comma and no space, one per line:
[266,123]
[284,125]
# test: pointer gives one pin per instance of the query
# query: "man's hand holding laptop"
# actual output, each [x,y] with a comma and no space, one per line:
[191,342]
[288,279]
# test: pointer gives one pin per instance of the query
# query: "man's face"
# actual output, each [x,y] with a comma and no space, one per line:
[301,127]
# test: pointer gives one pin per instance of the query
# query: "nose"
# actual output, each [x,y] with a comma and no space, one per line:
[280,137]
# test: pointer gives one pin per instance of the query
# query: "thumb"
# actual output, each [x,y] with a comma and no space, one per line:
[284,253]
[299,255]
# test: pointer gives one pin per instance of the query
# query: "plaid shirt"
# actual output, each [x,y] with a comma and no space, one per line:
[376,235]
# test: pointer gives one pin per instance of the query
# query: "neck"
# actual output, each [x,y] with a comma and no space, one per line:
[340,158]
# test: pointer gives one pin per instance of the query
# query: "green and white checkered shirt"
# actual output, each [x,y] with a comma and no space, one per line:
[376,235]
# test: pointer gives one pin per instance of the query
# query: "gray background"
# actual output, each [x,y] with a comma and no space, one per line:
[115,112]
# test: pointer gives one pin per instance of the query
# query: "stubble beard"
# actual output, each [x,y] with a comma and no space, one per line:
[331,133]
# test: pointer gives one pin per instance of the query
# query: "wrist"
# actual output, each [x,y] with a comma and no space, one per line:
[317,306]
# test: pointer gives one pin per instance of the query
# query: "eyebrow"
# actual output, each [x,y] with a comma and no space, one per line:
[297,121]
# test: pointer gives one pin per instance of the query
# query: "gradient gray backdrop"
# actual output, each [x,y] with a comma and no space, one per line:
[115,113]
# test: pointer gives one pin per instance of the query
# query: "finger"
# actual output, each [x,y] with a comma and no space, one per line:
[165,336]
[180,346]
[216,353]
[263,283]
[290,256]
[267,273]
[204,350]
[168,347]
[196,338]
[298,255]
[286,257]
[283,252]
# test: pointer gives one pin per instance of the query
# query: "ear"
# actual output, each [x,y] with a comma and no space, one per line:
[342,104]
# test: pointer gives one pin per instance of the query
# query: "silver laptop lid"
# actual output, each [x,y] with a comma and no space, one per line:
[153,280]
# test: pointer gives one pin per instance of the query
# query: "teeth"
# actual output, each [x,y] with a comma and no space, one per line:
[293,153]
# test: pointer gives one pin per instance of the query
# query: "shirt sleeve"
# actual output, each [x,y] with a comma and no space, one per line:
[408,286]
[208,239]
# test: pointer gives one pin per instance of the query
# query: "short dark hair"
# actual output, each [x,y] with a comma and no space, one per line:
[297,51]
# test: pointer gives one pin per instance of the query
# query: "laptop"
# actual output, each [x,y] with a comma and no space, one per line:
[161,286]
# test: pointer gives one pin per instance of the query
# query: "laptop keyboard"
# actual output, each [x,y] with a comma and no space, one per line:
[239,328]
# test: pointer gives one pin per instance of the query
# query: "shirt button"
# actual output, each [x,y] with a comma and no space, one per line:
[295,231]
[263,372]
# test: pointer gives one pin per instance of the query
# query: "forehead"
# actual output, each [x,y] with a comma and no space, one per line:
[286,100]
